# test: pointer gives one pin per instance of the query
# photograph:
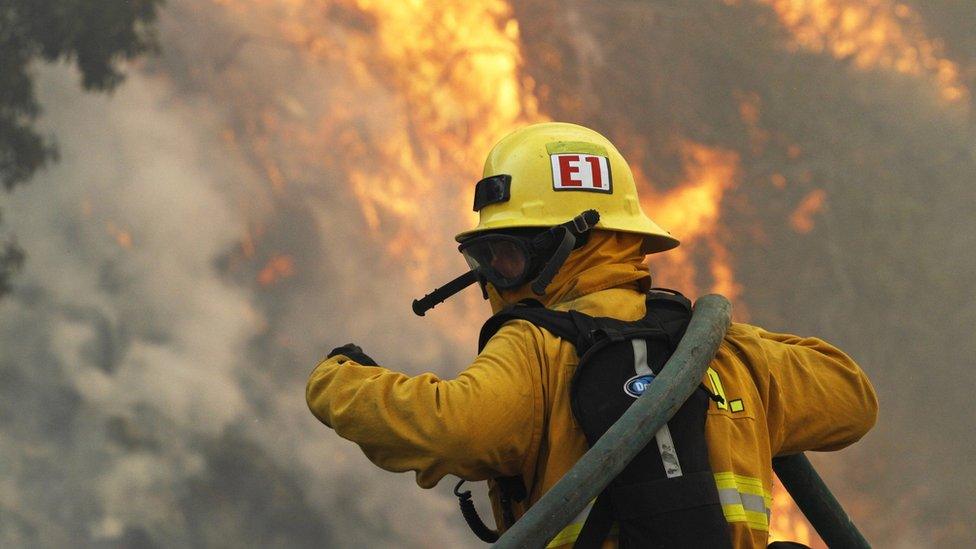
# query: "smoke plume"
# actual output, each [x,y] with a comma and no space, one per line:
[213,229]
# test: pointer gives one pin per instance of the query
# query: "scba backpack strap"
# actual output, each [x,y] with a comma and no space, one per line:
[561,324]
[666,496]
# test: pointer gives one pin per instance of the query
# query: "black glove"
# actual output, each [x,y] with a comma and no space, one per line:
[354,352]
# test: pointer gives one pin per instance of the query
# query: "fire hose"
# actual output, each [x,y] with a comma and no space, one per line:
[623,441]
[817,503]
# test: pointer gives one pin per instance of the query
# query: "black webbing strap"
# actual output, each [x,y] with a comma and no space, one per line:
[646,499]
[561,324]
[598,523]
[660,496]
[662,321]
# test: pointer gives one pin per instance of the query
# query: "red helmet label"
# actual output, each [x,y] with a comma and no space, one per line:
[581,172]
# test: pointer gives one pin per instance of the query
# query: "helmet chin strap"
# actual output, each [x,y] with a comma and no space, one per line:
[567,236]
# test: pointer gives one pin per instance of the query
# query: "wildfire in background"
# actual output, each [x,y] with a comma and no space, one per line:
[873,34]
[361,126]
[456,73]
[456,82]
[456,77]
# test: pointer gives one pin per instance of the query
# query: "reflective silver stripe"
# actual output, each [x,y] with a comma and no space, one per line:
[640,357]
[749,502]
[665,445]
[668,454]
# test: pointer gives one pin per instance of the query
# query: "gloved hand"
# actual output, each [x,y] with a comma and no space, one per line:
[355,352]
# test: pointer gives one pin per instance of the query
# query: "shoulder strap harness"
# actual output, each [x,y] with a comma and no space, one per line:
[666,497]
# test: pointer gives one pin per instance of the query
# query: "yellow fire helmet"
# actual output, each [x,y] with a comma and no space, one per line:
[563,178]
[546,174]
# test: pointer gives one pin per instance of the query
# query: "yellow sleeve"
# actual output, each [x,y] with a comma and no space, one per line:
[817,398]
[482,424]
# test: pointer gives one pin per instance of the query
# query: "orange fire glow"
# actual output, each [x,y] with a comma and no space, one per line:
[434,84]
[802,219]
[276,269]
[692,212]
[427,89]
[121,236]
[871,34]
[787,523]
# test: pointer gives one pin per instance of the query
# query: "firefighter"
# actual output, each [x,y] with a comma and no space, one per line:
[508,415]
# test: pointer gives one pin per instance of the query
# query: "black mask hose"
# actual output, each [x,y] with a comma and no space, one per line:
[429,301]
[471,516]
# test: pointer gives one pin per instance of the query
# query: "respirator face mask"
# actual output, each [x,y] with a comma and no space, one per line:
[504,260]
[515,257]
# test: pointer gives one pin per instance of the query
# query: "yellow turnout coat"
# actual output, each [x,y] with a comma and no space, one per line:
[509,412]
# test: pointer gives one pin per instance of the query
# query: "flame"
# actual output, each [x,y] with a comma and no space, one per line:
[786,522]
[426,89]
[431,86]
[749,104]
[121,236]
[692,212]
[248,242]
[278,268]
[778,180]
[802,217]
[871,34]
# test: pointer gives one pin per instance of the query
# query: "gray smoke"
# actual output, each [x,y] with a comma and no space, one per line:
[151,390]
[887,272]
[134,409]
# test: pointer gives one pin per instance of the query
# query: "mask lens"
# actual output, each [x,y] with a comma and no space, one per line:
[502,259]
[507,259]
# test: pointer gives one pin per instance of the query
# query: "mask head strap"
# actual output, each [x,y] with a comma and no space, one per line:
[566,234]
